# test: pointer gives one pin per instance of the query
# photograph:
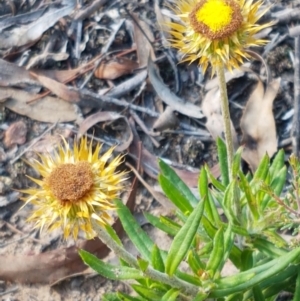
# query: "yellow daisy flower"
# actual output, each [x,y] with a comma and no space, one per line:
[217,31]
[75,183]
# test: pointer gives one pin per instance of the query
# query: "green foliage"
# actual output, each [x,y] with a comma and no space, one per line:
[236,219]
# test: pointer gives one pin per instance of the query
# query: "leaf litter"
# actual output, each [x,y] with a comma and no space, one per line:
[103,70]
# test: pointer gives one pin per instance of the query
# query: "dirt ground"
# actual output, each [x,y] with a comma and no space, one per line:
[111,32]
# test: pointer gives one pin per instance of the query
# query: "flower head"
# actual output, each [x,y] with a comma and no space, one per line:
[75,183]
[217,31]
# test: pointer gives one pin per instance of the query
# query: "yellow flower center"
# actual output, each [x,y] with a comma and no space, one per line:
[215,14]
[71,182]
[216,19]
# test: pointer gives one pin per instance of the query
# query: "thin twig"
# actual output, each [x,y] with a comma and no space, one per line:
[13,228]
[32,143]
[296,119]
[12,290]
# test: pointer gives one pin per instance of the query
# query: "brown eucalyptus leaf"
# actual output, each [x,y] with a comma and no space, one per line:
[258,124]
[166,120]
[58,88]
[115,68]
[47,109]
[106,116]
[15,134]
[13,75]
[28,33]
[143,37]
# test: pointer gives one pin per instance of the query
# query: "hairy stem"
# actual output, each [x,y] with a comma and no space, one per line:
[226,117]
[120,252]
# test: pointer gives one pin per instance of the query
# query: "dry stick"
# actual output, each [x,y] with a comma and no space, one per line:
[13,228]
[89,10]
[32,143]
[296,119]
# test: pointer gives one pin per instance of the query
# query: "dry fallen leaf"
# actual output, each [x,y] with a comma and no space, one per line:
[15,134]
[28,33]
[258,124]
[143,37]
[46,144]
[115,68]
[169,97]
[166,120]
[47,109]
[108,117]
[211,107]
[57,88]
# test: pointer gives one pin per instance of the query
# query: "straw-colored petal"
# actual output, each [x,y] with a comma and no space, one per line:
[217,31]
[75,184]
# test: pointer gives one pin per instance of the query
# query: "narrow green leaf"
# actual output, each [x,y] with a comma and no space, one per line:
[277,164]
[258,294]
[222,153]
[137,236]
[148,294]
[262,169]
[216,183]
[205,250]
[236,166]
[170,223]
[157,260]
[108,270]
[235,297]
[231,194]
[240,230]
[174,194]
[275,238]
[157,223]
[112,297]
[228,244]
[171,295]
[201,297]
[210,207]
[183,240]
[251,199]
[188,278]
[171,175]
[195,263]
[272,291]
[143,264]
[111,231]
[247,259]
[216,256]
[125,297]
[246,280]
[276,186]
[267,248]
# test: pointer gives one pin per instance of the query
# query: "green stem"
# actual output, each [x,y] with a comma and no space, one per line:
[155,275]
[226,117]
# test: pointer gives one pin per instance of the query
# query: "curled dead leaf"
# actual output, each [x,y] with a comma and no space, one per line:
[15,134]
[166,120]
[258,124]
[105,116]
[115,68]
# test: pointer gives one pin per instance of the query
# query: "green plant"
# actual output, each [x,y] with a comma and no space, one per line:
[209,232]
